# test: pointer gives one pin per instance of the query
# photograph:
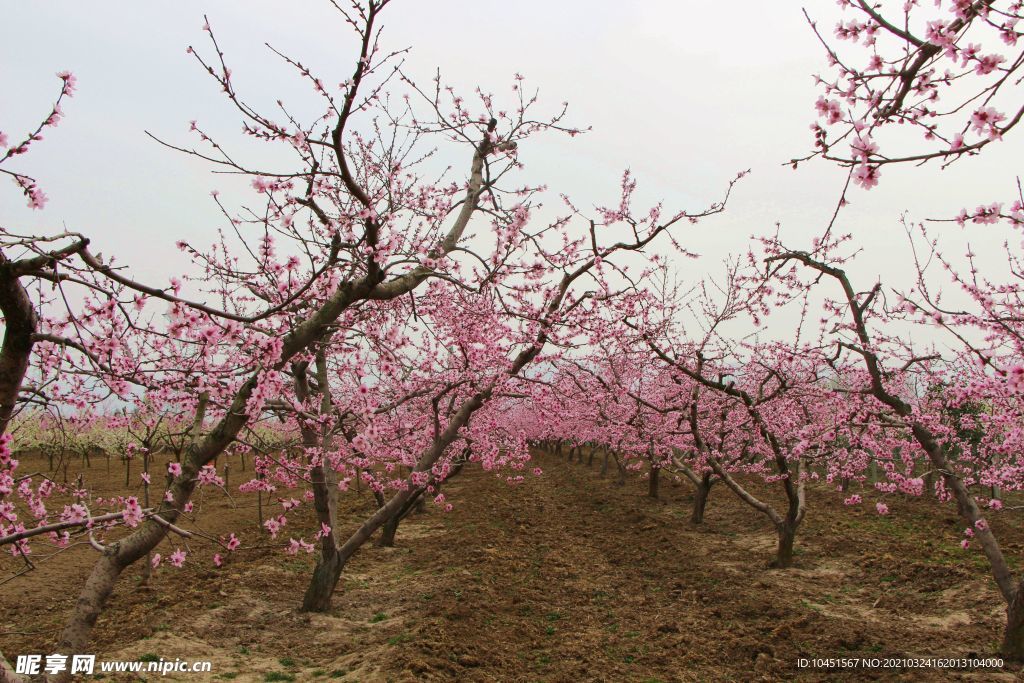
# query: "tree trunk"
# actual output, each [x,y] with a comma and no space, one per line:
[929,483]
[332,562]
[7,674]
[387,533]
[415,504]
[121,554]
[318,596]
[321,586]
[784,552]
[147,566]
[259,507]
[323,481]
[785,526]
[700,499]
[100,584]
[19,324]
[1013,637]
[652,482]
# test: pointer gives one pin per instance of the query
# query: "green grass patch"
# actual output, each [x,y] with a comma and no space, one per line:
[278,676]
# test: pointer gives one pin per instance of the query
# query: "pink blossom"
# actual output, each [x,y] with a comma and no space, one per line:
[938,33]
[36,197]
[273,526]
[70,82]
[1015,379]
[132,512]
[174,468]
[866,176]
[988,64]
[177,558]
[829,109]
[74,513]
[208,475]
[295,546]
[882,508]
[987,215]
[863,147]
[985,120]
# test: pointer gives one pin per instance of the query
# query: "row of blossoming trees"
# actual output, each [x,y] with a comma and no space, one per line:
[371,320]
[844,395]
[376,319]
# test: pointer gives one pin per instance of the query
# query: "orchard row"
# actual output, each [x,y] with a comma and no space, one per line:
[373,318]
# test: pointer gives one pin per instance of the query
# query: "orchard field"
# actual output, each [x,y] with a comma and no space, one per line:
[417,392]
[567,577]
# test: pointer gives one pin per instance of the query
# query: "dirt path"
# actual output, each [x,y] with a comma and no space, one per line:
[566,577]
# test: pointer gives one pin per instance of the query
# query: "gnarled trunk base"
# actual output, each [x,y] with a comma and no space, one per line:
[784,551]
[1013,637]
[387,533]
[700,501]
[321,586]
[652,482]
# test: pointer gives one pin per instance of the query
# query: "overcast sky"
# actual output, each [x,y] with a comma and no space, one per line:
[684,93]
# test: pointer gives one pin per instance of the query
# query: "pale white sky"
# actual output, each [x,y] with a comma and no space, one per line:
[684,93]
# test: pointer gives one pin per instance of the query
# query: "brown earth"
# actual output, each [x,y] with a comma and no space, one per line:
[566,577]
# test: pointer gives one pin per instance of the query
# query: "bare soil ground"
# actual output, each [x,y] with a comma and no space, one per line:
[566,577]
